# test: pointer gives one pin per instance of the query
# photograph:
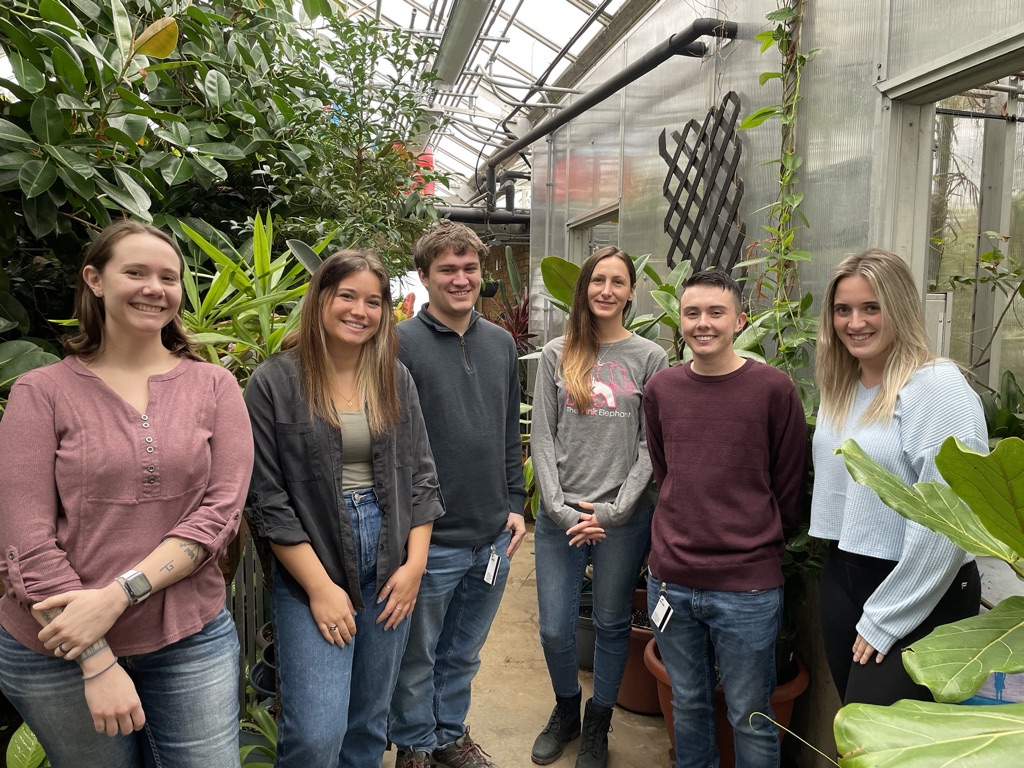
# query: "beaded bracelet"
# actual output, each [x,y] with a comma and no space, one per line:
[97,674]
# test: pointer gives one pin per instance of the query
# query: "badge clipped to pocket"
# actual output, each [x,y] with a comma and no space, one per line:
[662,613]
[492,567]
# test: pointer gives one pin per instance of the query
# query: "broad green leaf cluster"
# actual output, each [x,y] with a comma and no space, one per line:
[981,509]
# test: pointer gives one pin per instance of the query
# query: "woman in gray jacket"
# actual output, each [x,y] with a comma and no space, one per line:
[345,491]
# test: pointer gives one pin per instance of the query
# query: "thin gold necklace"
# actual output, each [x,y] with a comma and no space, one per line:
[349,400]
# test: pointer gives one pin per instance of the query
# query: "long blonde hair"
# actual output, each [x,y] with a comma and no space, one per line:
[375,373]
[837,371]
[579,352]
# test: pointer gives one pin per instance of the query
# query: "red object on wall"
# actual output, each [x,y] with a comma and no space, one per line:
[425,160]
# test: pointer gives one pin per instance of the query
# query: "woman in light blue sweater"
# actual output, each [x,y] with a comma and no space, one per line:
[887,581]
[592,467]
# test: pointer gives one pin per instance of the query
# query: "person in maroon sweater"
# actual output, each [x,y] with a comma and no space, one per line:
[728,445]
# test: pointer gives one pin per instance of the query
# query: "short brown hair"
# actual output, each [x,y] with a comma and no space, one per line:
[446,236]
[89,309]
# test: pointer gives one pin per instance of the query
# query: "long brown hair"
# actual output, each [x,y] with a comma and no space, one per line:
[579,351]
[375,373]
[89,310]
[837,371]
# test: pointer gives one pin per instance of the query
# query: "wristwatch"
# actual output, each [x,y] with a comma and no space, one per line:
[135,585]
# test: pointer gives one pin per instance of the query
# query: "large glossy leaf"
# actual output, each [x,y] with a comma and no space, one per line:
[54,10]
[159,39]
[122,28]
[10,132]
[670,305]
[70,69]
[28,77]
[84,187]
[955,659]
[35,177]
[992,485]
[88,7]
[25,46]
[176,170]
[15,159]
[139,195]
[917,734]
[931,504]
[71,159]
[559,278]
[217,88]
[177,134]
[11,309]
[47,121]
[220,150]
[40,215]
[14,363]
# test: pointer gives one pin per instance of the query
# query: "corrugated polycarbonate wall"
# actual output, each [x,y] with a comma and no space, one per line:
[923,30]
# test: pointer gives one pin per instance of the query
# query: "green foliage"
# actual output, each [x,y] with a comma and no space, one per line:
[778,308]
[240,313]
[1004,408]
[997,271]
[163,110]
[981,510]
[260,721]
[24,749]
[917,734]
[18,354]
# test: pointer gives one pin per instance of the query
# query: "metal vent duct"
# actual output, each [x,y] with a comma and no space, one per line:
[460,35]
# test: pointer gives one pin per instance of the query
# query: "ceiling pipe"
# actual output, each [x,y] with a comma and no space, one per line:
[469,215]
[680,44]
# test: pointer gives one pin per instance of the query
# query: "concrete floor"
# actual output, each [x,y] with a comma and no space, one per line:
[512,696]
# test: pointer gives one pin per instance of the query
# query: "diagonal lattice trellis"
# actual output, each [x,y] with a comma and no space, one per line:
[703,190]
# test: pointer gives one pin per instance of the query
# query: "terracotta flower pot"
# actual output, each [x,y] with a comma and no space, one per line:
[639,690]
[782,704]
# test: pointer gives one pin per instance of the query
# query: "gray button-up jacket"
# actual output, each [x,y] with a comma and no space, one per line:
[296,494]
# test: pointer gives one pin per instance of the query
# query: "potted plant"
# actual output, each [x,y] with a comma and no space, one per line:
[981,509]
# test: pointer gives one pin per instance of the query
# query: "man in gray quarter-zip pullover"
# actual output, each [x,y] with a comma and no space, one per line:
[466,371]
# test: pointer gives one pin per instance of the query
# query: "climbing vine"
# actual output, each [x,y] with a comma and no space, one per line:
[778,309]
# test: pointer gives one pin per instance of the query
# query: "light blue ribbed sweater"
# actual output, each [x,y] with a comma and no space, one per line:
[937,402]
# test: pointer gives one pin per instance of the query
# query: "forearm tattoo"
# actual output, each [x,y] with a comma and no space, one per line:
[51,613]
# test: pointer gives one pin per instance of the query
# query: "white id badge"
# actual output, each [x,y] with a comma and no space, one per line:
[662,613]
[492,568]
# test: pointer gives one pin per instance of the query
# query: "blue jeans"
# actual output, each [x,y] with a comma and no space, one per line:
[334,700]
[559,573]
[453,615]
[739,630]
[189,694]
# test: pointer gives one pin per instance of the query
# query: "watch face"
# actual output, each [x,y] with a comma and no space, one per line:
[139,585]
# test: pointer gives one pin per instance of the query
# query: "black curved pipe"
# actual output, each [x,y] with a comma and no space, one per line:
[682,43]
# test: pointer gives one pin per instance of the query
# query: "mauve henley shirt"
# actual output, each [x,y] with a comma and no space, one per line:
[89,487]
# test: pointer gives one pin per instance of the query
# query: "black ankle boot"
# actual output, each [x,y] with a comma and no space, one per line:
[563,726]
[597,721]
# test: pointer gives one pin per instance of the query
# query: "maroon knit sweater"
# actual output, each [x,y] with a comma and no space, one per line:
[729,456]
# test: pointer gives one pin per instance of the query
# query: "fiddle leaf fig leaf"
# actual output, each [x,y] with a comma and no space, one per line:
[992,485]
[955,659]
[918,734]
[933,505]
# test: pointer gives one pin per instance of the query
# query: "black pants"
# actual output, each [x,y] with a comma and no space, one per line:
[847,581]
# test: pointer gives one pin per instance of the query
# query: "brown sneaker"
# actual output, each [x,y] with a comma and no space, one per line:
[414,759]
[463,753]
